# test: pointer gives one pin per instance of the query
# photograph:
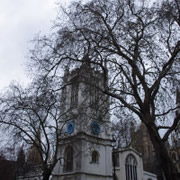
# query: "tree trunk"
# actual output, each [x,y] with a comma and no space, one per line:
[46,174]
[168,168]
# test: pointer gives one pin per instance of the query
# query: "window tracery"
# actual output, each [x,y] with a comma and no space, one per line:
[131,167]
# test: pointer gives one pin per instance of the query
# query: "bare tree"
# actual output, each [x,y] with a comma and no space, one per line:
[136,45]
[33,115]
[123,127]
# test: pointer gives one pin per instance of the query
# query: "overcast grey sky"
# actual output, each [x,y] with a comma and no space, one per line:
[20,20]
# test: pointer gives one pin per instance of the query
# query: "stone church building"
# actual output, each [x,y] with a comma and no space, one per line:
[86,146]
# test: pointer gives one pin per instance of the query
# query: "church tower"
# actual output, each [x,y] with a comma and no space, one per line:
[85,149]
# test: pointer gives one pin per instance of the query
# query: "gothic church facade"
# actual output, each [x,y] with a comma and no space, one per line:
[85,149]
[86,146]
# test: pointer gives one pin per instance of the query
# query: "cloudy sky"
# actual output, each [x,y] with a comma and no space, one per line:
[20,20]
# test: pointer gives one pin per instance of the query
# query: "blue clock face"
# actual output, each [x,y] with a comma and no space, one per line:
[70,127]
[95,128]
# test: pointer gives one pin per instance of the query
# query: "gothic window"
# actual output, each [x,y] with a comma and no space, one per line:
[95,157]
[131,167]
[68,159]
[94,93]
[74,93]
[116,159]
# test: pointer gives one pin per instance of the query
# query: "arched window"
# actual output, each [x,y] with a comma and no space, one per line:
[131,167]
[68,159]
[95,157]
[115,158]
[74,92]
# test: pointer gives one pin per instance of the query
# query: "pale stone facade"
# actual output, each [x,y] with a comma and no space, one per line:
[84,142]
[133,170]
[85,149]
[83,166]
[89,139]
